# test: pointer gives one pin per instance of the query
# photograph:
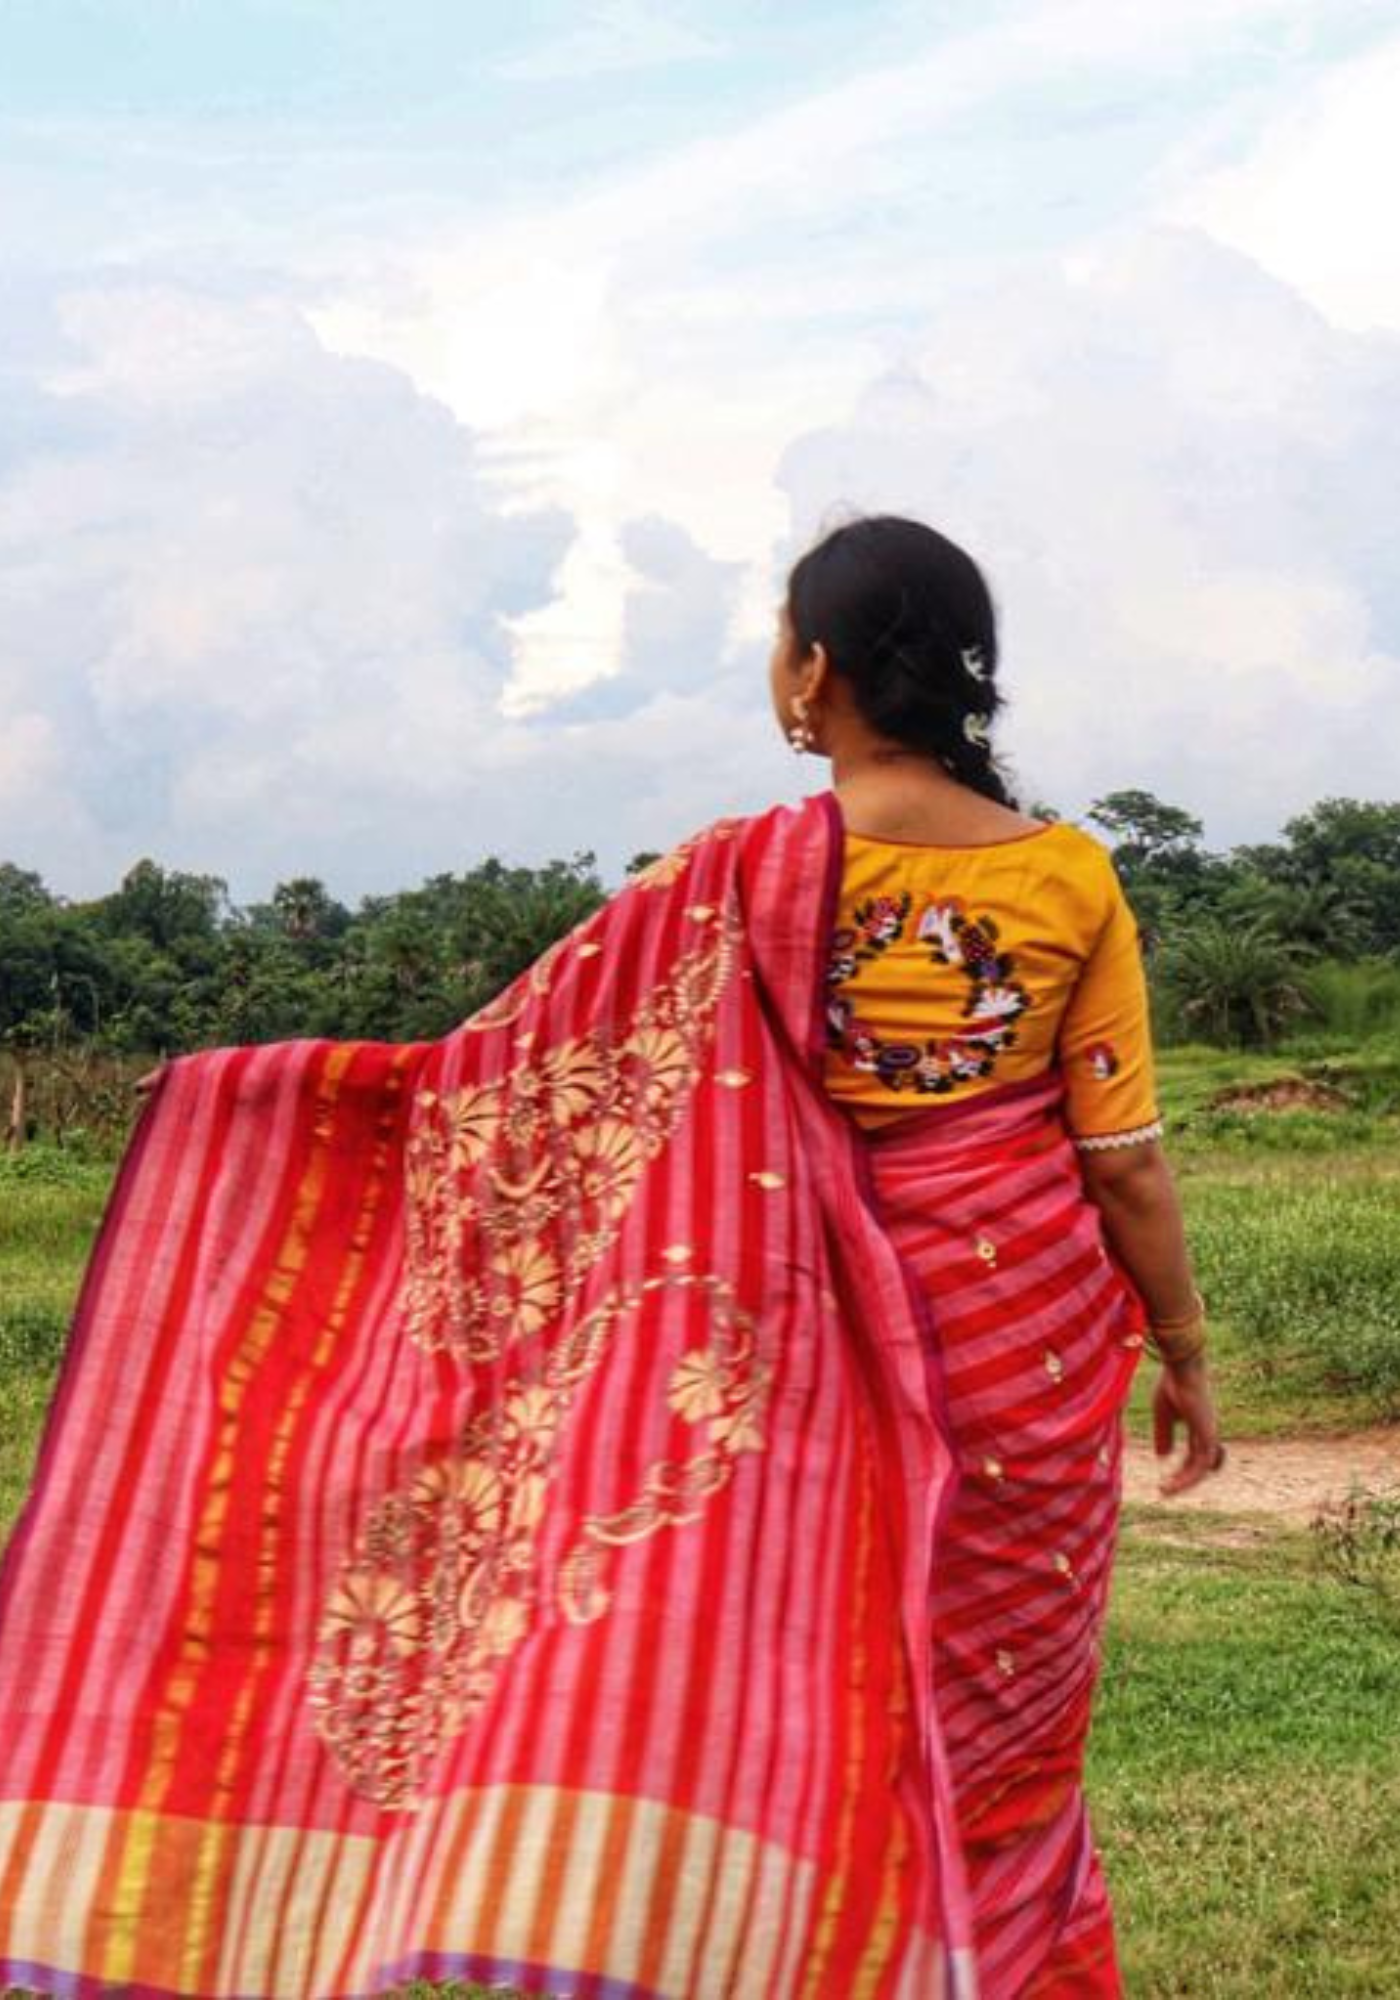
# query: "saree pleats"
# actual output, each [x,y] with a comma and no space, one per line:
[1037,1335]
[518,1507]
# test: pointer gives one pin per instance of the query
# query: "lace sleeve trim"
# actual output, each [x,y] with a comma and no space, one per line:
[1098,1141]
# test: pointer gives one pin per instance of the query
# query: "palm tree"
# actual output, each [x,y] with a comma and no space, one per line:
[1236,982]
[1321,915]
[304,907]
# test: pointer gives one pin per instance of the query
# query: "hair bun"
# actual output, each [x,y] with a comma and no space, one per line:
[907,619]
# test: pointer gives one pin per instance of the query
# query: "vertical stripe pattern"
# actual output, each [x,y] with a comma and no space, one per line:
[509,1521]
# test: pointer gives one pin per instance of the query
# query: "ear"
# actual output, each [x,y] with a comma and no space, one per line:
[815,669]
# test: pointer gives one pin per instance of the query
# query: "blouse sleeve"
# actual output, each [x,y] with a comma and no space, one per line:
[1105,1037]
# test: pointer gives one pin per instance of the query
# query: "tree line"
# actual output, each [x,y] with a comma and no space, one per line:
[167,963]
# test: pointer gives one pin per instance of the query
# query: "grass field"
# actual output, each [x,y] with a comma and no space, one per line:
[1245,1763]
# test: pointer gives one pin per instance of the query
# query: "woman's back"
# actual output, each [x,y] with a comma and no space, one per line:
[960,966]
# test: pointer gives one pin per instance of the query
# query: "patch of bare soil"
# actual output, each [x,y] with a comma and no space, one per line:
[1284,1093]
[1286,1480]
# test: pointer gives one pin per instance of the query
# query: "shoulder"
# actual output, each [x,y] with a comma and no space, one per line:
[1081,878]
[1071,838]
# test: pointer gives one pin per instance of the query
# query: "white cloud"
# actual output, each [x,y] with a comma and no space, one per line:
[698,309]
[1193,591]
[255,589]
[422,543]
[619,35]
[29,758]
[260,624]
[1311,200]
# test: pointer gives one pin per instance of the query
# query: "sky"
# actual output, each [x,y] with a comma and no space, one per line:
[408,415]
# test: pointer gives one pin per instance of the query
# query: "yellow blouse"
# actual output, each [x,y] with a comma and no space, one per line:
[954,969]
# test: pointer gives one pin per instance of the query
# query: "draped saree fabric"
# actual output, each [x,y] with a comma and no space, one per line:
[512,1511]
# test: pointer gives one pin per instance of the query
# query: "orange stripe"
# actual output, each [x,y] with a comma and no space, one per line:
[833,1897]
[209,1892]
[615,1844]
[551,1875]
[498,1877]
[881,1946]
[21,1852]
[138,1868]
[662,1896]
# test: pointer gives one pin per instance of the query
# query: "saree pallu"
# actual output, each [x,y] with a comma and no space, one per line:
[512,1508]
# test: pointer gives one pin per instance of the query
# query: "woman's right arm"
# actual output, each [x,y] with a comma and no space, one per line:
[1105,1045]
[1133,1189]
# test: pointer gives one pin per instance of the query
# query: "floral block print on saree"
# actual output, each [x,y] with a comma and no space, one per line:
[505,1515]
[488,1520]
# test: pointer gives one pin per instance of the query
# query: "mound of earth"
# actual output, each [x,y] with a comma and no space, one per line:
[1284,1093]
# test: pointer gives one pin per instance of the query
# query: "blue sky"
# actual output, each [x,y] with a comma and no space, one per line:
[406,416]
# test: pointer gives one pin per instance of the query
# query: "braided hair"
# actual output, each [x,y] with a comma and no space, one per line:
[907,618]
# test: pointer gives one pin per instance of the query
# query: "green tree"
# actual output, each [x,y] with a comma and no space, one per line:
[1147,832]
[21,890]
[1235,983]
[306,909]
[1353,845]
[1324,916]
[1168,877]
[163,905]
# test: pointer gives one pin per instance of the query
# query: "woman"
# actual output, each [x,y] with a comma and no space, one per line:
[885,662]
[578,1504]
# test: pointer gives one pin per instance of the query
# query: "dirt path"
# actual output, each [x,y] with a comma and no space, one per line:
[1287,1479]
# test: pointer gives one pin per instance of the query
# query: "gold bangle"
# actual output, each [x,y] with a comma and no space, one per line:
[1182,1319]
[1184,1342]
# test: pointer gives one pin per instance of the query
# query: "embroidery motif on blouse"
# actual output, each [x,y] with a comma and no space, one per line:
[994,1001]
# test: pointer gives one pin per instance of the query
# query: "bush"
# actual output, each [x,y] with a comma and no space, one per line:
[32,1335]
[1358,1542]
[1356,1000]
[43,1165]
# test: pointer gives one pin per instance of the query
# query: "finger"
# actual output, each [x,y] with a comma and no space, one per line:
[1199,1464]
[1163,1423]
[1188,1474]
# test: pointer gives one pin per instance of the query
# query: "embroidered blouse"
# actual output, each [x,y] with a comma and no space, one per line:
[955,969]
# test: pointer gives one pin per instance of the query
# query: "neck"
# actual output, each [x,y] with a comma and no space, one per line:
[851,764]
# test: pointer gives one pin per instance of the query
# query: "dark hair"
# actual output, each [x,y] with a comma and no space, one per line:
[896,606]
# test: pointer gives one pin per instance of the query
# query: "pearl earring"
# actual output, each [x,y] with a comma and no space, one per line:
[801,735]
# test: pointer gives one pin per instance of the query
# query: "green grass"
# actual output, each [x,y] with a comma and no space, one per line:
[1366,1075]
[50,1208]
[1294,1222]
[1244,1769]
[1306,1267]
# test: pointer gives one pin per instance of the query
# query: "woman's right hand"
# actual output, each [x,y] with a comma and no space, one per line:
[1183,1396]
[145,1083]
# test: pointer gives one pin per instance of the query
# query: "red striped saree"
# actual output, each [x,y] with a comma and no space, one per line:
[561,1506]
